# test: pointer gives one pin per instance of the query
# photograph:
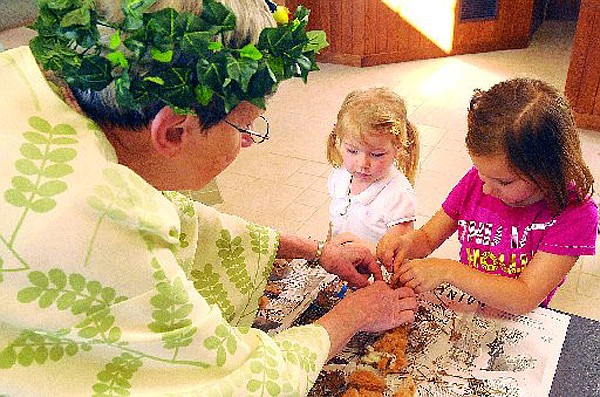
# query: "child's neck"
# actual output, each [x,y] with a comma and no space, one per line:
[357,187]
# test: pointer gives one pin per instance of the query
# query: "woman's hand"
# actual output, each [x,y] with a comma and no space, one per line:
[421,274]
[351,259]
[382,307]
[375,308]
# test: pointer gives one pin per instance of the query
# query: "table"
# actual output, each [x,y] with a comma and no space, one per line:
[578,370]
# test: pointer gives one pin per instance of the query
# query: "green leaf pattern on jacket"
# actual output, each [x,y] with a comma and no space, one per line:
[231,254]
[265,373]
[171,311]
[114,379]
[298,354]
[81,297]
[32,347]
[224,342]
[126,198]
[208,284]
[259,239]
[45,160]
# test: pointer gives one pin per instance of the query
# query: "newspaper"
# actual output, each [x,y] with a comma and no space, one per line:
[298,290]
[456,347]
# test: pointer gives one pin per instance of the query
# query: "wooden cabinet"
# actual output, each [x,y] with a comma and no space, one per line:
[372,32]
[583,77]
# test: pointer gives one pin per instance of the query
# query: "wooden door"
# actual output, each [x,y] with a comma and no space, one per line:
[583,77]
[371,32]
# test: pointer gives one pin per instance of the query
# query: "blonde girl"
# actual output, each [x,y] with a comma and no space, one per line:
[523,212]
[374,150]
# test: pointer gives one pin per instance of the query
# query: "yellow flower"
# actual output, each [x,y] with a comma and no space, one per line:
[281,15]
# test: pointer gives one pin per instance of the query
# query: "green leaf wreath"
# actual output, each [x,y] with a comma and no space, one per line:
[176,58]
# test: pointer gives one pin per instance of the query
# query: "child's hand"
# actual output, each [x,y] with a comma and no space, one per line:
[392,249]
[421,274]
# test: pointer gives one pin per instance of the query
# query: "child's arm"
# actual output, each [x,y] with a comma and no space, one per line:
[517,296]
[395,246]
[400,229]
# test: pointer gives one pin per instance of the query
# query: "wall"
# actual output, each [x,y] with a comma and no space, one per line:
[368,32]
[583,77]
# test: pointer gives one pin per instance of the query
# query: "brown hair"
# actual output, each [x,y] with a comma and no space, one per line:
[531,123]
[376,111]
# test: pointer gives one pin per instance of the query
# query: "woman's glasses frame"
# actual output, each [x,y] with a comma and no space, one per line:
[256,136]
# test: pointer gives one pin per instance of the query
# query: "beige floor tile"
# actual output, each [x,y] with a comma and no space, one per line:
[317,225]
[231,179]
[280,221]
[589,286]
[12,38]
[265,165]
[577,266]
[298,212]
[590,146]
[320,185]
[260,196]
[432,187]
[315,168]
[425,152]
[571,299]
[313,198]
[591,264]
[302,179]
[430,135]
[451,162]
[440,116]
[573,303]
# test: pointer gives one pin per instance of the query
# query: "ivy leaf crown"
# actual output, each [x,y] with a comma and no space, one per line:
[175,58]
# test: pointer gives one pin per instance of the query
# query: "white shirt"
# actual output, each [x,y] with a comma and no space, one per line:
[386,202]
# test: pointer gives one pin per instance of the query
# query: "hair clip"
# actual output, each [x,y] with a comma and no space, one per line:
[396,130]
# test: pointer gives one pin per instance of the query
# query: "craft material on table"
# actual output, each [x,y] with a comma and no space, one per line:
[456,347]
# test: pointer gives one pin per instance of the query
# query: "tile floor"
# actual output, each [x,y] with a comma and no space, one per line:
[282,183]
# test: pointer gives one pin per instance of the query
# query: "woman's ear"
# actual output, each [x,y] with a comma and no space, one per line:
[168,132]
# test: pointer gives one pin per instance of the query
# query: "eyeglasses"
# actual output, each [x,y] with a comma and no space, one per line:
[259,132]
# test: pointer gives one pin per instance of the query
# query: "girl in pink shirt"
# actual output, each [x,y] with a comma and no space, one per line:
[524,211]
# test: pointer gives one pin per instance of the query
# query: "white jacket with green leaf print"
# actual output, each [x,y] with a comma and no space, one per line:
[109,287]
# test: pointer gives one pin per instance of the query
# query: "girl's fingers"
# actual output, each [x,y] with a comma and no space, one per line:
[413,284]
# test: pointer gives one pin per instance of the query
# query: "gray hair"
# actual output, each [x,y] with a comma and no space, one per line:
[102,107]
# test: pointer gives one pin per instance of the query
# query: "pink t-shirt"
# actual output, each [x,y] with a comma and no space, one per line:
[499,239]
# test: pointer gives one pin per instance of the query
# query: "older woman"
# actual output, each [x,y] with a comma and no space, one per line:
[110,284]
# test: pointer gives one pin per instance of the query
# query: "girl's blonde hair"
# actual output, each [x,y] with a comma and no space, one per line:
[376,111]
[531,123]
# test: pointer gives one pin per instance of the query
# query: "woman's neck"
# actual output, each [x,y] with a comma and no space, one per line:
[135,150]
